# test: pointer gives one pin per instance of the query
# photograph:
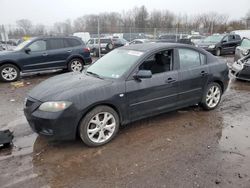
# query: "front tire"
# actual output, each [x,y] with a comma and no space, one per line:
[212,96]
[76,65]
[218,52]
[99,126]
[9,73]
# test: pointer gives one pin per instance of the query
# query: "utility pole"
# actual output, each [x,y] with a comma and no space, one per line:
[99,45]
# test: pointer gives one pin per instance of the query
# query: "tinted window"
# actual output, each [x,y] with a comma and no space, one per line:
[237,37]
[105,40]
[231,37]
[39,45]
[55,44]
[72,42]
[158,63]
[189,58]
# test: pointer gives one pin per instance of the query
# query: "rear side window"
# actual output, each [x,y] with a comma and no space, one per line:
[39,45]
[105,41]
[190,58]
[55,44]
[72,42]
[237,37]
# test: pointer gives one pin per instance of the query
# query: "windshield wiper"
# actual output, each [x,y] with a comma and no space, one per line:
[94,74]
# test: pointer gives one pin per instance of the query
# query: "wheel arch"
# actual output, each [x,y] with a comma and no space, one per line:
[220,83]
[75,57]
[109,104]
[10,62]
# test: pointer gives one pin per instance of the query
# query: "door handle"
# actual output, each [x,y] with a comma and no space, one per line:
[203,73]
[170,80]
[69,51]
[44,54]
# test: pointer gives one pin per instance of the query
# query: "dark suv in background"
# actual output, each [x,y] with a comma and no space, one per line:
[219,44]
[44,53]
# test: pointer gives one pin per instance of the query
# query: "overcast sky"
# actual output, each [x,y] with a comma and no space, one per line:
[49,11]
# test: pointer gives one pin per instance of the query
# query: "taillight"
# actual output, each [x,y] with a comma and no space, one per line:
[86,49]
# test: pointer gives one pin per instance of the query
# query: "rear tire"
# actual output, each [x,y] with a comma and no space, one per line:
[99,126]
[212,96]
[9,73]
[76,65]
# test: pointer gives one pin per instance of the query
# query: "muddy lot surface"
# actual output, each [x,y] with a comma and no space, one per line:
[185,148]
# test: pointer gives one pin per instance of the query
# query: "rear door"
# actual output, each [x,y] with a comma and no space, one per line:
[153,95]
[57,53]
[193,76]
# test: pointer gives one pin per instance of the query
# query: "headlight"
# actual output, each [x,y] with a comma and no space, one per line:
[245,52]
[196,45]
[54,106]
[211,46]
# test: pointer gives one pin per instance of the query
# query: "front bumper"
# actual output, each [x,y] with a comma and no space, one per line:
[58,125]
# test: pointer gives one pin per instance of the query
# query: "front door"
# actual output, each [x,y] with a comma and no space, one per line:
[150,96]
[35,58]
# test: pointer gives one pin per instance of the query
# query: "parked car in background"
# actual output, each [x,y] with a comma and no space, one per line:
[85,36]
[196,38]
[127,84]
[139,41]
[218,44]
[175,38]
[118,42]
[44,53]
[106,45]
[242,33]
[240,69]
[243,49]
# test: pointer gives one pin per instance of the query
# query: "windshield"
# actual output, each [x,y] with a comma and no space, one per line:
[245,43]
[115,63]
[21,45]
[214,38]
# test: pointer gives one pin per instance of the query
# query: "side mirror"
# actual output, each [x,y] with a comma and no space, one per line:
[143,74]
[27,50]
[224,41]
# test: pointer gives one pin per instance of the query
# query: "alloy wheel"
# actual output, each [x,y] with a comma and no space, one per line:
[9,73]
[76,66]
[101,127]
[213,96]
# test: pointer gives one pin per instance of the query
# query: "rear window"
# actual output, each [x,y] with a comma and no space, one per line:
[105,41]
[55,44]
[72,42]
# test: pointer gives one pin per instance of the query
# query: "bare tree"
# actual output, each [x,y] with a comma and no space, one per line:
[26,25]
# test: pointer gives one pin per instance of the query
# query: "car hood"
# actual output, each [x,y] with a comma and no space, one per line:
[66,86]
[7,52]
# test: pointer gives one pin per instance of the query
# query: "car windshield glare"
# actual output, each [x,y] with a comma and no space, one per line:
[245,43]
[214,38]
[21,45]
[115,63]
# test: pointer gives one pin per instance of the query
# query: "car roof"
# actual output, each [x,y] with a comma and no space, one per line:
[55,37]
[153,46]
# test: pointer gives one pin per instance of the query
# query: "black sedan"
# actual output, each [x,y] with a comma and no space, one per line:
[127,84]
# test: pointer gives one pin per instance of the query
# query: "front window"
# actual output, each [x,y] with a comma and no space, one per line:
[159,62]
[39,45]
[115,63]
[214,38]
[22,45]
[245,43]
